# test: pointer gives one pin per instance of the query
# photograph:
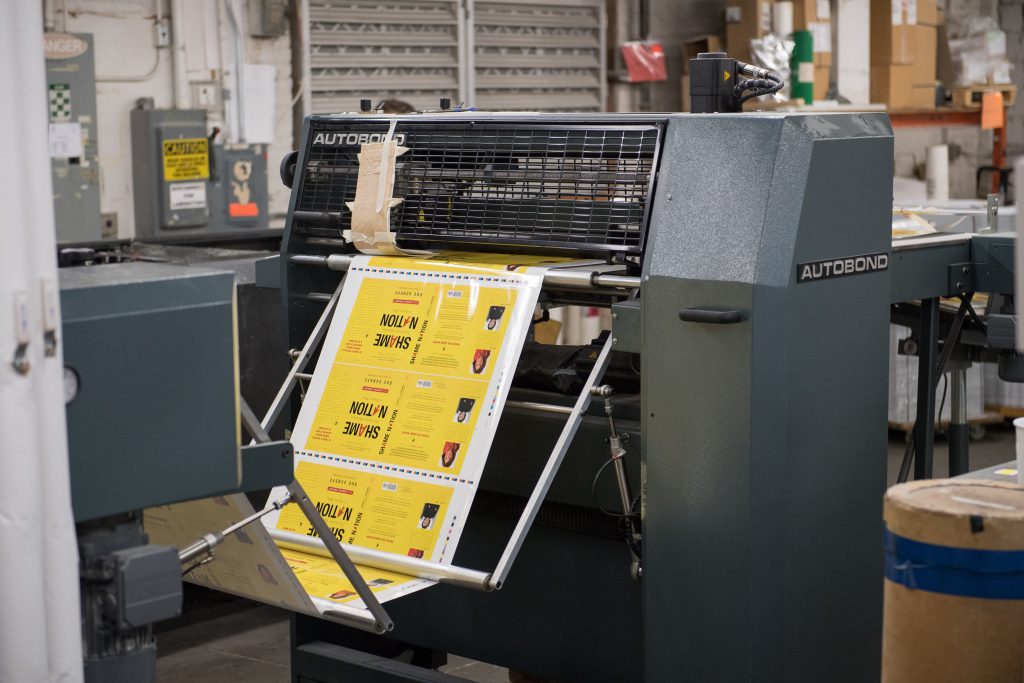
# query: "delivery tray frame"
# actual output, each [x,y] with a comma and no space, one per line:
[459,576]
[378,621]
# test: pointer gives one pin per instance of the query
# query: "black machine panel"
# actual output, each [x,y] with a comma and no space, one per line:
[574,186]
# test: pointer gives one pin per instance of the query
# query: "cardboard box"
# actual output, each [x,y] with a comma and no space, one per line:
[821,74]
[694,46]
[944,70]
[821,35]
[927,12]
[744,21]
[926,43]
[806,12]
[894,86]
[892,36]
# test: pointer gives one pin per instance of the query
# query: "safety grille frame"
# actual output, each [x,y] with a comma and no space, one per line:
[583,187]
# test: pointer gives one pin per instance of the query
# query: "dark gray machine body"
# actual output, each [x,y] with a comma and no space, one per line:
[152,385]
[765,441]
[151,350]
[758,438]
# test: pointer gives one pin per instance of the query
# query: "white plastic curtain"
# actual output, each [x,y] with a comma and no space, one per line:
[40,638]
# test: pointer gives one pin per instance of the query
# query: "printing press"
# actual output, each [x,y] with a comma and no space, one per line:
[665,503]
[742,255]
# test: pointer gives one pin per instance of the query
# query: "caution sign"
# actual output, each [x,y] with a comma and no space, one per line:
[186,159]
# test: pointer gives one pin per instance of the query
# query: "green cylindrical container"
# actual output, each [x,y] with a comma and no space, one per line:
[802,67]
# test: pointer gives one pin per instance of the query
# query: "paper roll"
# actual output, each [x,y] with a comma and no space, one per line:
[937,173]
[782,19]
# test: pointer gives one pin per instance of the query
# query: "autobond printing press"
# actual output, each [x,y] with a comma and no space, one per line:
[739,395]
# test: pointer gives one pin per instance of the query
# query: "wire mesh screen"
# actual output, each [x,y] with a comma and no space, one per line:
[579,187]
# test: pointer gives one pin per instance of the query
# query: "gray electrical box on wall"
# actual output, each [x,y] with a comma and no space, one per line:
[71,87]
[188,186]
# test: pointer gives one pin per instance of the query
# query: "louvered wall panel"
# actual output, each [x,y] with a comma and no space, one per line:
[404,49]
[535,55]
[538,55]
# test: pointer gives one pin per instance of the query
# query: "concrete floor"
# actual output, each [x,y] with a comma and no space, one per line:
[221,638]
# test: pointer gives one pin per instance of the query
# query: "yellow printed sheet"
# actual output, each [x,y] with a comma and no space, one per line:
[402,409]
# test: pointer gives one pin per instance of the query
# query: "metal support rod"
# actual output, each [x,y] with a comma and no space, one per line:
[572,278]
[532,406]
[540,491]
[348,568]
[300,364]
[924,437]
[424,569]
[299,497]
[959,430]
[207,543]
[617,453]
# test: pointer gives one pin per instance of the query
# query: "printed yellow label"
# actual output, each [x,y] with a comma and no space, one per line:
[376,511]
[322,578]
[186,159]
[398,418]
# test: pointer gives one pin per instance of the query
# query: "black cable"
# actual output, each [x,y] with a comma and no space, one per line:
[947,350]
[942,401]
[760,86]
[593,492]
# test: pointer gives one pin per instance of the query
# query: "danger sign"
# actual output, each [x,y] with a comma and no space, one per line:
[186,159]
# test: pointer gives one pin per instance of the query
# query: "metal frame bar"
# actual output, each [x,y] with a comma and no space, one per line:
[460,576]
[540,491]
[300,363]
[584,277]
[378,620]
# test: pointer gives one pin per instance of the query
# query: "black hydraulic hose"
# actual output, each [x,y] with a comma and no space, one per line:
[759,86]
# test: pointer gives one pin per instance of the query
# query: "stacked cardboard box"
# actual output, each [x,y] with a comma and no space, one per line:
[904,46]
[903,385]
[746,20]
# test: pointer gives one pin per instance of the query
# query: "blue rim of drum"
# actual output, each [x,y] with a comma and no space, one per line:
[963,572]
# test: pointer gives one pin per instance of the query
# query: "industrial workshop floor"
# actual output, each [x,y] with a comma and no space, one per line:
[221,638]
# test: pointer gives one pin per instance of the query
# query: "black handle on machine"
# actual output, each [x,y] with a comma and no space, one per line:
[710,315]
[288,168]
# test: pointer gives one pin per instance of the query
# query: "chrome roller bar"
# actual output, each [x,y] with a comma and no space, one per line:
[424,569]
[568,278]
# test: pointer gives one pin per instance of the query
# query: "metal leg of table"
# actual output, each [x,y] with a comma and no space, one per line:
[959,431]
[924,435]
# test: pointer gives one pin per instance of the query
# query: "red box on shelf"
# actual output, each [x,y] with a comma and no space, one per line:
[645,61]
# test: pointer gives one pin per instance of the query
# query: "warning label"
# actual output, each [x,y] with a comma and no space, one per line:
[187,196]
[186,159]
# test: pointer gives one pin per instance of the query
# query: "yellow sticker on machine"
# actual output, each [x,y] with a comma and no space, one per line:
[186,159]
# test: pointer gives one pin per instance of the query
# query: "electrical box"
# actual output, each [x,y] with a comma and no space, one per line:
[71,88]
[185,184]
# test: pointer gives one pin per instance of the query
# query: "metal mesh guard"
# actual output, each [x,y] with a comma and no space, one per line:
[579,187]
